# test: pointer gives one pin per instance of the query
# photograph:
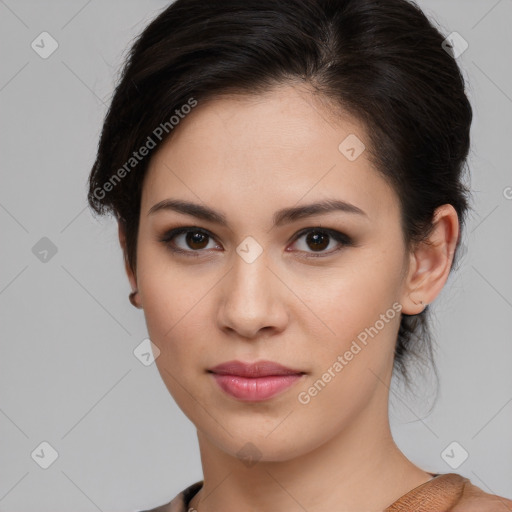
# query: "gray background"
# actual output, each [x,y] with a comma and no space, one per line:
[68,375]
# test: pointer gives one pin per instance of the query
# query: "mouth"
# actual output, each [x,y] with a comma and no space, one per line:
[254,382]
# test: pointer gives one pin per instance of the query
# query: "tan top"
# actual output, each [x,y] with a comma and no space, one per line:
[449,492]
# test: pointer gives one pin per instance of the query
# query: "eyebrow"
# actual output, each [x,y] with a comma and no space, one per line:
[283,216]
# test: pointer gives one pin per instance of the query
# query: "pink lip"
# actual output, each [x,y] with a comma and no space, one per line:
[254,389]
[254,381]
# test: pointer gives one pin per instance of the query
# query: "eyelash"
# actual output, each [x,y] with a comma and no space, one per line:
[341,238]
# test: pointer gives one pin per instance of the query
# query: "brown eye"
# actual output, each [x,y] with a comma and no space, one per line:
[188,240]
[317,240]
[196,239]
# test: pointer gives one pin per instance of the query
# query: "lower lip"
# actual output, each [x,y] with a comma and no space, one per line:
[255,389]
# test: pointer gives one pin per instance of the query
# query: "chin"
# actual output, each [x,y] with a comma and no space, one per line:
[255,446]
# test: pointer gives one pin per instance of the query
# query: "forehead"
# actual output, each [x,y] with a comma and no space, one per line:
[279,148]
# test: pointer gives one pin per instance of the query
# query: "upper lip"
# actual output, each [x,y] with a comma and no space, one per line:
[255,369]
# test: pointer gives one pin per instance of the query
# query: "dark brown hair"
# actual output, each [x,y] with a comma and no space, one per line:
[379,60]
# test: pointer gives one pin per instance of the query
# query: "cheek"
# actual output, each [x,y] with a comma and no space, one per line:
[176,317]
[350,365]
[352,296]
[171,292]
[358,304]
[176,323]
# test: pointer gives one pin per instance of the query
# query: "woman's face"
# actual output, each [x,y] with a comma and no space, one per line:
[289,292]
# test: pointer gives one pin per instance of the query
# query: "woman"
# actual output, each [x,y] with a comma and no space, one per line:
[287,179]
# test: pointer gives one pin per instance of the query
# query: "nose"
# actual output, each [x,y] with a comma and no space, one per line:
[252,299]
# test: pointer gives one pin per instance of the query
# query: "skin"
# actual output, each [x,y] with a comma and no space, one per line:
[247,157]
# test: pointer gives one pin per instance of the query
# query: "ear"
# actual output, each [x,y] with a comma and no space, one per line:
[122,240]
[431,261]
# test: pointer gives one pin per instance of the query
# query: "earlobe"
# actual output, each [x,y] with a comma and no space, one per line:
[133,299]
[416,291]
[431,261]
